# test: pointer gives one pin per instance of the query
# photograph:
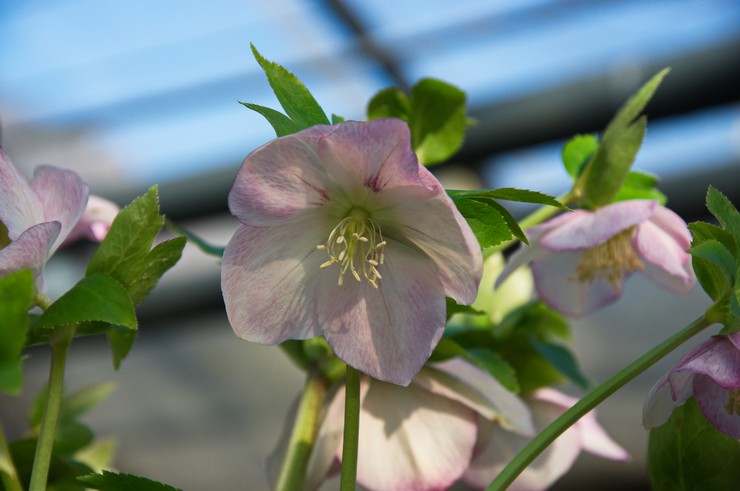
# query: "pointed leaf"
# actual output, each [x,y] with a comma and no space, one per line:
[438,120]
[120,341]
[281,123]
[716,253]
[634,106]
[111,481]
[726,214]
[148,271]
[576,153]
[563,361]
[712,279]
[487,224]
[509,194]
[511,222]
[293,96]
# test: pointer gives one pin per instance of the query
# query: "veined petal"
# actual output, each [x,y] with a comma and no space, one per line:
[717,358]
[19,206]
[30,250]
[412,439]
[63,196]
[584,229]
[673,225]
[713,401]
[436,228]
[267,277]
[387,332]
[672,265]
[557,285]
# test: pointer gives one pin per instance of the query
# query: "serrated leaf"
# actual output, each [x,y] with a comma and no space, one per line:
[112,481]
[96,297]
[511,222]
[281,123]
[716,253]
[487,224]
[16,295]
[576,153]
[726,214]
[389,103]
[437,120]
[509,194]
[712,279]
[563,361]
[294,97]
[159,260]
[687,453]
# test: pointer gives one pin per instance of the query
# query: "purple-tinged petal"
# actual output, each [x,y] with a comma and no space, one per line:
[387,332]
[95,221]
[266,279]
[557,286]
[588,229]
[664,397]
[412,439]
[63,196]
[717,358]
[718,405]
[666,262]
[19,206]
[30,250]
[673,225]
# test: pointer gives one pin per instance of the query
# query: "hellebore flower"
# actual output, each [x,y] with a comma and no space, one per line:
[344,234]
[581,259]
[711,373]
[496,446]
[36,217]
[95,220]
[419,437]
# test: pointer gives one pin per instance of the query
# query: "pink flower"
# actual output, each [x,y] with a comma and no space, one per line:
[344,234]
[36,217]
[496,446]
[580,260]
[95,221]
[711,373]
[419,437]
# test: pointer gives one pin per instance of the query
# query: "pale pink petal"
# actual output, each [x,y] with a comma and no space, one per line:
[19,206]
[584,230]
[266,279]
[713,401]
[666,263]
[557,286]
[62,194]
[387,332]
[95,221]
[30,250]
[439,231]
[411,439]
[673,225]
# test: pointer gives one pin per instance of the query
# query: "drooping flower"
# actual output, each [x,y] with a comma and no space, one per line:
[496,445]
[419,437]
[95,220]
[711,373]
[344,234]
[580,260]
[36,217]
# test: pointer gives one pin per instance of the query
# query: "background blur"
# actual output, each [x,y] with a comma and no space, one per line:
[135,93]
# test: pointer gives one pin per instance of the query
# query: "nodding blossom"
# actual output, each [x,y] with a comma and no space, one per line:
[344,234]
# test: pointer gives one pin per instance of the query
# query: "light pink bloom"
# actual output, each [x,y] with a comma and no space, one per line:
[581,259]
[711,373]
[95,221]
[419,437]
[344,234]
[496,445]
[36,216]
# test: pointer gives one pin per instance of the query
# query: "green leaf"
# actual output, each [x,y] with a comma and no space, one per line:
[96,297]
[336,119]
[726,214]
[159,260]
[80,402]
[281,123]
[641,185]
[563,361]
[293,96]
[389,103]
[509,194]
[437,120]
[687,453]
[120,342]
[112,481]
[716,253]
[576,153]
[511,222]
[634,106]
[487,224]
[482,357]
[16,296]
[711,277]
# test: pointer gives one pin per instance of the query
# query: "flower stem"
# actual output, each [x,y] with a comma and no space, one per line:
[348,476]
[8,473]
[303,437]
[590,401]
[59,345]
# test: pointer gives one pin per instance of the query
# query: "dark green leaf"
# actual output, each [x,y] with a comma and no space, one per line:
[281,123]
[711,277]
[495,365]
[389,103]
[70,437]
[563,361]
[11,377]
[437,121]
[487,224]
[687,453]
[716,253]
[293,96]
[96,297]
[336,119]
[576,153]
[121,341]
[111,481]
[726,214]
[199,242]
[16,295]
[455,308]
[511,222]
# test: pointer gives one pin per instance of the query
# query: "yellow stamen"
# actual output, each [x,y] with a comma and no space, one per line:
[356,236]
[609,260]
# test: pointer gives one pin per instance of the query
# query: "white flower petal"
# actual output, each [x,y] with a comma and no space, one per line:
[667,264]
[30,250]
[19,206]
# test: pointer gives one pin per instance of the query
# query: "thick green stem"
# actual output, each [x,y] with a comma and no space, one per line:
[59,345]
[348,475]
[590,401]
[8,473]
[303,437]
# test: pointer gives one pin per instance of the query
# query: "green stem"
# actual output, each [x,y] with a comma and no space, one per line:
[59,345]
[590,401]
[8,473]
[348,476]
[303,437]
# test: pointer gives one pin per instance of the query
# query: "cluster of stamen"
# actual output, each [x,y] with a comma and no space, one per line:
[609,260]
[733,403]
[356,244]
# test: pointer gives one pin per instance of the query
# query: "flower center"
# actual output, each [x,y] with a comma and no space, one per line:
[733,403]
[356,244]
[609,260]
